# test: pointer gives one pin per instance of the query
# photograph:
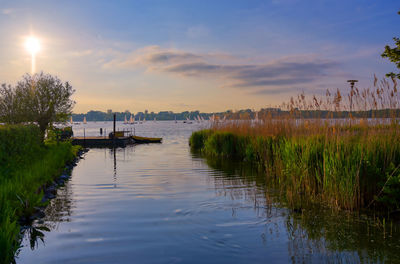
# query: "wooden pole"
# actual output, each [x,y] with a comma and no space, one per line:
[115,119]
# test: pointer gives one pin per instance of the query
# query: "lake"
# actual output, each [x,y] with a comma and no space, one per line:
[159,203]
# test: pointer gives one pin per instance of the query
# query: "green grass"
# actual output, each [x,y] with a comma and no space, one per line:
[26,166]
[354,169]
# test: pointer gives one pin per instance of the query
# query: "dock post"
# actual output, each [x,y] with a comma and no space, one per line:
[115,118]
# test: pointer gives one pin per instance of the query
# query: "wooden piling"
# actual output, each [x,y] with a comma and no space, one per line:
[115,120]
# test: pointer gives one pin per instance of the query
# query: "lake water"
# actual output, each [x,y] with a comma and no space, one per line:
[159,203]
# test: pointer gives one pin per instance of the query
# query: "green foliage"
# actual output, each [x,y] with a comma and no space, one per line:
[393,54]
[196,140]
[26,166]
[11,106]
[57,134]
[18,143]
[391,189]
[226,144]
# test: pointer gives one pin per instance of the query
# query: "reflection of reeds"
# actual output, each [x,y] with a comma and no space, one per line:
[349,163]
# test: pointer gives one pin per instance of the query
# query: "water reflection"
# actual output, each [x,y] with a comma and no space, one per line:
[162,204]
[315,235]
[57,211]
[115,167]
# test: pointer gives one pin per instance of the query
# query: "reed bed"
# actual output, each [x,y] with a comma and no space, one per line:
[26,165]
[339,160]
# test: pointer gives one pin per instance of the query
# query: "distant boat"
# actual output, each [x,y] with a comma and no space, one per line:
[125,121]
[188,121]
[84,119]
[72,122]
[146,139]
[144,119]
[131,121]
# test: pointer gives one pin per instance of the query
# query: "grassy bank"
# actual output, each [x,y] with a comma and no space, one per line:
[26,165]
[352,168]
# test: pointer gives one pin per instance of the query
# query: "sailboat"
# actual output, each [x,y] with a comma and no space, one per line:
[131,120]
[155,119]
[84,119]
[72,122]
[144,119]
[213,118]
[125,121]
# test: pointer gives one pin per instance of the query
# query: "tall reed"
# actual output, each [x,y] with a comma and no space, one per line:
[351,162]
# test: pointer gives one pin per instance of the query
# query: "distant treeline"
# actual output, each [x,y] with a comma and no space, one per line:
[163,115]
[241,114]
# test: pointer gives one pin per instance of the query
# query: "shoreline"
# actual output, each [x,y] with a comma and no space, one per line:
[50,191]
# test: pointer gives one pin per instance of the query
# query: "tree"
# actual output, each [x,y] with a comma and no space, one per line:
[10,105]
[393,54]
[41,98]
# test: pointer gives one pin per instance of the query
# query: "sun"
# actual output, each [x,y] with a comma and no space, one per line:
[32,45]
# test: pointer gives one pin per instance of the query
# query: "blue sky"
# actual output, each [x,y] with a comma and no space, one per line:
[198,55]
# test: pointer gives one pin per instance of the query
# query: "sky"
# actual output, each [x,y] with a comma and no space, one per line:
[202,55]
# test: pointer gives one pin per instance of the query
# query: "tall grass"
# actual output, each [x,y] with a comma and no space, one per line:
[349,163]
[26,166]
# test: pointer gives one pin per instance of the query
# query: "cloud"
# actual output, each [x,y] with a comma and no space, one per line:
[151,57]
[284,72]
[277,73]
[169,56]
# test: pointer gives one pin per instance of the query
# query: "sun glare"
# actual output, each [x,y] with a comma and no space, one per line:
[32,45]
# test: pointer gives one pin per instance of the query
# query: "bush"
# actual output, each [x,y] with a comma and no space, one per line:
[17,144]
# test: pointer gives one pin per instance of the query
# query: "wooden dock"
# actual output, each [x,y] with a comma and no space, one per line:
[114,139]
[102,141]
